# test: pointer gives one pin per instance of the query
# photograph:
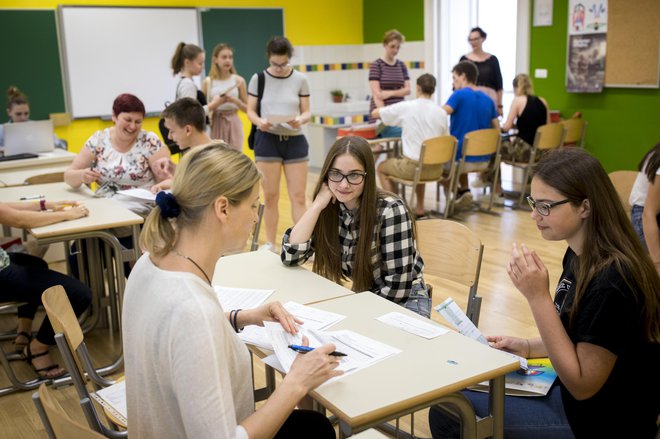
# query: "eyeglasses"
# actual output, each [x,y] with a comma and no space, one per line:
[352,178]
[472,40]
[542,207]
[278,66]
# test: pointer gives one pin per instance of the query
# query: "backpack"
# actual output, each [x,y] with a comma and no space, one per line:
[261,82]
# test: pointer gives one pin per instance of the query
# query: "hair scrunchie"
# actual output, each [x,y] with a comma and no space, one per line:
[169,208]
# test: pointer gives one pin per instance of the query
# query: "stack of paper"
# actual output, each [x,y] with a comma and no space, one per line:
[412,325]
[113,398]
[241,298]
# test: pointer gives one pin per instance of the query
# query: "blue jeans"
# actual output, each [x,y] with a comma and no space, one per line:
[524,417]
[389,131]
[636,218]
[419,300]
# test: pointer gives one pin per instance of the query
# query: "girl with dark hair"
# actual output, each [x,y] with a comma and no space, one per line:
[120,157]
[188,61]
[489,79]
[603,324]
[645,202]
[18,110]
[280,145]
[358,232]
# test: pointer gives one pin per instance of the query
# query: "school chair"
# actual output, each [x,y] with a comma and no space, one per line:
[254,245]
[576,128]
[60,119]
[453,252]
[56,420]
[6,359]
[435,151]
[478,143]
[390,146]
[70,342]
[547,137]
[623,182]
[52,177]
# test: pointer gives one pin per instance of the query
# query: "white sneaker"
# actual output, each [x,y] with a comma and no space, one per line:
[498,200]
[464,201]
[266,247]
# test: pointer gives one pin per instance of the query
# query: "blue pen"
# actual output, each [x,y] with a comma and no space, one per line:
[304,349]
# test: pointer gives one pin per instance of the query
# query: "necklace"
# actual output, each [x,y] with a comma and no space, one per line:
[196,265]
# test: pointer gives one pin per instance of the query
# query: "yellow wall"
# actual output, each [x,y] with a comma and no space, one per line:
[305,23]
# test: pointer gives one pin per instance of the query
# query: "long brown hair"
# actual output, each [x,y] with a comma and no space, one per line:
[609,238]
[653,156]
[327,259]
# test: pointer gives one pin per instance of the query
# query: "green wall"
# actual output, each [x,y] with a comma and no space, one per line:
[380,16]
[623,123]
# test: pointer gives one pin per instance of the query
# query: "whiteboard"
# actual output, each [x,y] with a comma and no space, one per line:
[107,51]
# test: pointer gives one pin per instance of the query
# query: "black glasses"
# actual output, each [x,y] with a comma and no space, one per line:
[542,207]
[352,178]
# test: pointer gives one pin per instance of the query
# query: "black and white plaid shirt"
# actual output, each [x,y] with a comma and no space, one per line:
[396,261]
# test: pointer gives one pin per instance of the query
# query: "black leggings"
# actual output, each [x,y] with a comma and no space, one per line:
[306,424]
[25,280]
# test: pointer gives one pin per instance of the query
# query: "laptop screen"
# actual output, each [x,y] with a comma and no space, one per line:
[29,137]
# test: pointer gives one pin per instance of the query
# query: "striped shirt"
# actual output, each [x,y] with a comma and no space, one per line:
[390,77]
[395,259]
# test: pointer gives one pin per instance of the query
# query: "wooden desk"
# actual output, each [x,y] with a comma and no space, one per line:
[104,215]
[425,373]
[15,172]
[264,269]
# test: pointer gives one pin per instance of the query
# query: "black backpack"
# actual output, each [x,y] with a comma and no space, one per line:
[261,82]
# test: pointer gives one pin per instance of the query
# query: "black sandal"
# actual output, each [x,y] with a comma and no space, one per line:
[29,357]
[20,347]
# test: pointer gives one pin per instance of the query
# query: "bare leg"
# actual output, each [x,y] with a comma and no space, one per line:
[463,181]
[420,190]
[43,361]
[296,185]
[270,183]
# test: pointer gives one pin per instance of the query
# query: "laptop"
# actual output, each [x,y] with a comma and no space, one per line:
[31,137]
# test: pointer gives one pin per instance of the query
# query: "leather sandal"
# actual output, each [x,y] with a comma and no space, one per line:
[29,357]
[18,346]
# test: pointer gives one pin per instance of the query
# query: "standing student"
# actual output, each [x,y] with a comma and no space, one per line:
[188,374]
[230,87]
[601,330]
[490,75]
[470,110]
[389,80]
[359,233]
[420,119]
[188,61]
[645,202]
[184,119]
[23,278]
[280,145]
[18,110]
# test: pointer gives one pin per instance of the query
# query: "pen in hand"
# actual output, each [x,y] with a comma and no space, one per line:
[33,197]
[304,349]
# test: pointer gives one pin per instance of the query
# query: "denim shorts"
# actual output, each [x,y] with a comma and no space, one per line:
[419,300]
[278,148]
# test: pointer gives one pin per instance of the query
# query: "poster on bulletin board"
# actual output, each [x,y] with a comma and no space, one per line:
[587,46]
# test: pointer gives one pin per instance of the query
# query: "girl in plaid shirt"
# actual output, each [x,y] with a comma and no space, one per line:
[384,259]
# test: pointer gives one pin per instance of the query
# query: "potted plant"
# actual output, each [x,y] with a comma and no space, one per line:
[337,95]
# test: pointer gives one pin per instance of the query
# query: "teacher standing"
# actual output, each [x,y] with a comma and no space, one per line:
[490,76]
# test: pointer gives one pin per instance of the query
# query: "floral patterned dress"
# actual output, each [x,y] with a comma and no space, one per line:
[123,170]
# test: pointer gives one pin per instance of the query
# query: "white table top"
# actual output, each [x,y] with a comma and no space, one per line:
[103,213]
[421,373]
[45,158]
[264,269]
[17,176]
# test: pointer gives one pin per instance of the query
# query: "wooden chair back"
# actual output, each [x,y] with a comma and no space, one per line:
[623,182]
[63,319]
[454,252]
[438,150]
[575,130]
[481,142]
[53,177]
[60,119]
[549,136]
[60,422]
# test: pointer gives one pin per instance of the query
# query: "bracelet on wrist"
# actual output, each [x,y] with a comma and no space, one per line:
[233,317]
[42,205]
